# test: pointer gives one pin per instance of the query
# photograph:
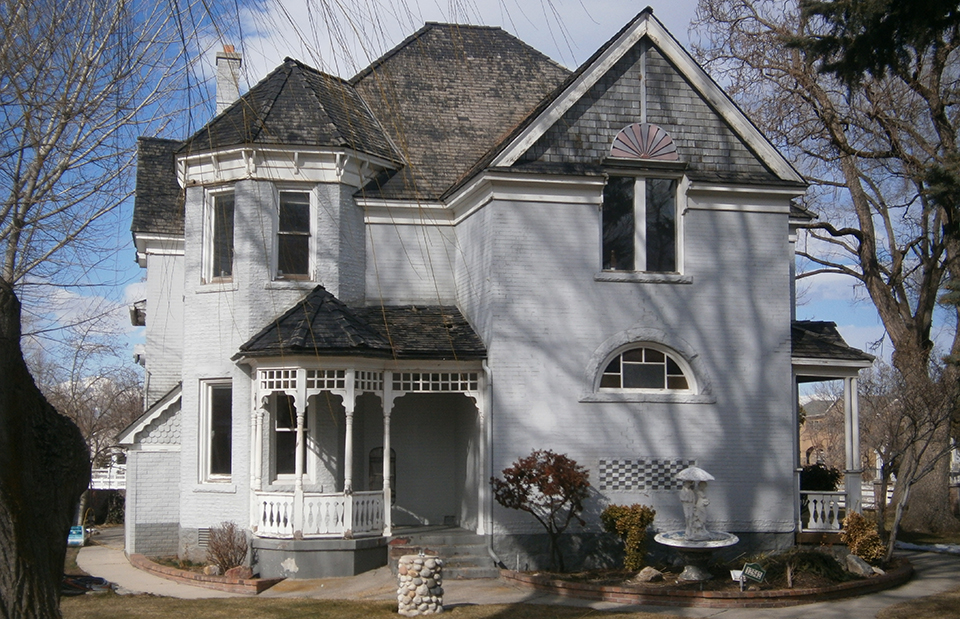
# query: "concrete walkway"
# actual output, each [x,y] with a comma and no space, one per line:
[934,573]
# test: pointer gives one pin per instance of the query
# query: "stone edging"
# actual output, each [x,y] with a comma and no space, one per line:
[639,594]
[251,586]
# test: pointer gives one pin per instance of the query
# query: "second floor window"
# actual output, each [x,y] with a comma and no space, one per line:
[221,233]
[640,224]
[293,235]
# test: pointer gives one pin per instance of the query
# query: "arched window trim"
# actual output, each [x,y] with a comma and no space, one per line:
[669,353]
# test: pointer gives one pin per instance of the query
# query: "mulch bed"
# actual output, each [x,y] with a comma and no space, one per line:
[720,592]
[251,586]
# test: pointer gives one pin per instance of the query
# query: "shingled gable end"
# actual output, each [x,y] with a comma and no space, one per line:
[366,297]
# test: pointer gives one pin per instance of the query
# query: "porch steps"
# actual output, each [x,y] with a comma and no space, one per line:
[464,553]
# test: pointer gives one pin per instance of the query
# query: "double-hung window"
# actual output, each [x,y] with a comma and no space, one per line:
[285,437]
[640,225]
[218,429]
[219,244]
[293,235]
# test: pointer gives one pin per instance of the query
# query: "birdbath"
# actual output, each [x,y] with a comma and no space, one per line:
[695,543]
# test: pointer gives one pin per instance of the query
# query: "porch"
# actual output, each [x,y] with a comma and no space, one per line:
[820,354]
[319,439]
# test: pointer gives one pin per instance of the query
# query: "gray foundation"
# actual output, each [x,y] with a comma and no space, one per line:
[274,558]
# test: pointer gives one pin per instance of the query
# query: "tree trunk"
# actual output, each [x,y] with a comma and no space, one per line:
[44,467]
[929,509]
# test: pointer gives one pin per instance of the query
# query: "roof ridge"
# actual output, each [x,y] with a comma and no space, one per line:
[390,53]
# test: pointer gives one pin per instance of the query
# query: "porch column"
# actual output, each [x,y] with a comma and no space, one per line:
[484,406]
[387,409]
[256,465]
[851,426]
[349,404]
[301,405]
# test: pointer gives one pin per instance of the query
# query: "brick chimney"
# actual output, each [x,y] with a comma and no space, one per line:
[228,77]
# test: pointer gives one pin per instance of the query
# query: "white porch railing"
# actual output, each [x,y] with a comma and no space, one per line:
[822,511]
[319,515]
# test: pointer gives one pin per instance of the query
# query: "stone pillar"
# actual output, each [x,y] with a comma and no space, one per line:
[419,585]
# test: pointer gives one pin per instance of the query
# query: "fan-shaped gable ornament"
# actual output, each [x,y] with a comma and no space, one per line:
[644,141]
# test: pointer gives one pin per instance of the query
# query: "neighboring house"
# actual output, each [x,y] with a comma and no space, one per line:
[385,290]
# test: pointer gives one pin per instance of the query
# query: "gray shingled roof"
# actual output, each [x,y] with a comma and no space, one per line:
[447,94]
[158,202]
[814,339]
[320,324]
[299,106]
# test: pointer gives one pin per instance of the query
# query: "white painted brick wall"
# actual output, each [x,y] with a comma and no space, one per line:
[164,330]
[544,316]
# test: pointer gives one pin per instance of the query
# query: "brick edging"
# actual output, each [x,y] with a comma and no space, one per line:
[251,586]
[638,594]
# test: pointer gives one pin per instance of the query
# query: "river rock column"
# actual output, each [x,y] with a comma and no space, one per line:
[419,585]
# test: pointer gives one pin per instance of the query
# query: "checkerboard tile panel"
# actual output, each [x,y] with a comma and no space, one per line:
[642,473]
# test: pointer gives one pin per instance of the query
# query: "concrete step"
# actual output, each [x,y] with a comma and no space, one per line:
[464,553]
[470,573]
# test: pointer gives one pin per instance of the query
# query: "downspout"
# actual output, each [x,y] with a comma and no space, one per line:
[488,430]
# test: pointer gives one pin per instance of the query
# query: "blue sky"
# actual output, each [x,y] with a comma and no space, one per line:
[566,30]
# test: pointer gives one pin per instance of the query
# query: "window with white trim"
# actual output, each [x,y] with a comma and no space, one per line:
[285,436]
[217,430]
[640,227]
[645,368]
[218,239]
[293,235]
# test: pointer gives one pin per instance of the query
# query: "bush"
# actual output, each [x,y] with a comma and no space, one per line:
[861,537]
[630,523]
[819,477]
[551,487]
[227,546]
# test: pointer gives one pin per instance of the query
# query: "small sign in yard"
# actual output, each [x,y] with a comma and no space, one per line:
[753,571]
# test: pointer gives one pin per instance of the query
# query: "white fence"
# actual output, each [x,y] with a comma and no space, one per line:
[112,478]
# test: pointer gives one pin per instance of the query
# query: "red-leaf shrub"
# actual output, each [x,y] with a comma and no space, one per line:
[550,486]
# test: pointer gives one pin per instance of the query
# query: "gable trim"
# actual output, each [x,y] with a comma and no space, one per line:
[646,25]
[128,435]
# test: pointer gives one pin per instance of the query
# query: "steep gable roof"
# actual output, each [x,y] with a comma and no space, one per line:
[320,324]
[297,105]
[158,200]
[446,95]
[567,99]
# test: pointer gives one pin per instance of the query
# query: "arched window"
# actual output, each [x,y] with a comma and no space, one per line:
[645,368]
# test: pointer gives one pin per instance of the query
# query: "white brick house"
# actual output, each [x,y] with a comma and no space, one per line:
[464,253]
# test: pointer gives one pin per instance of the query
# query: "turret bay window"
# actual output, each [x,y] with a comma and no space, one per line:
[644,368]
[218,427]
[293,235]
[640,224]
[218,259]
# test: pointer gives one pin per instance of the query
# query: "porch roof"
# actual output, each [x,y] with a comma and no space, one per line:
[818,345]
[320,324]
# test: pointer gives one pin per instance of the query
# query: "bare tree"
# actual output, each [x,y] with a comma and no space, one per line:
[867,153]
[78,81]
[904,421]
